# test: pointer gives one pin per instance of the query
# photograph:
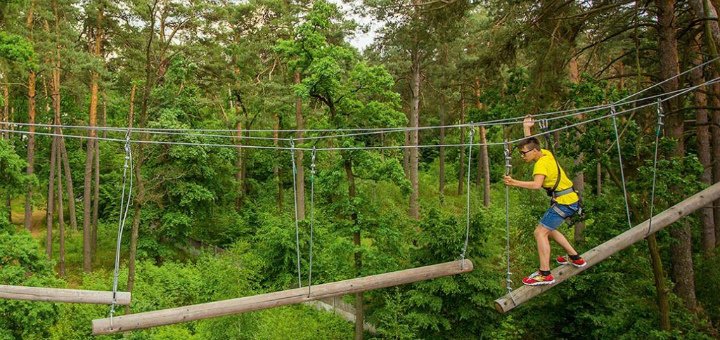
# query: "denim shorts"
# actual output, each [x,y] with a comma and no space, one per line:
[557,213]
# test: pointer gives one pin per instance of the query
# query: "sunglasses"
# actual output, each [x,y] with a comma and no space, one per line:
[522,153]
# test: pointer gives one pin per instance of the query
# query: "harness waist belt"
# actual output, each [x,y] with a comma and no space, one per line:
[564,192]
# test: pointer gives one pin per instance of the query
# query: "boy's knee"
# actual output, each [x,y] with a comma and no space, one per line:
[541,231]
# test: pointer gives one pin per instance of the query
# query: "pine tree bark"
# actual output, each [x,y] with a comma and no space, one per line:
[239,164]
[299,155]
[598,185]
[276,167]
[661,290]
[68,182]
[5,112]
[441,155]
[357,242]
[681,249]
[50,198]
[31,129]
[139,199]
[414,135]
[90,154]
[461,161]
[715,135]
[61,217]
[703,140]
[483,159]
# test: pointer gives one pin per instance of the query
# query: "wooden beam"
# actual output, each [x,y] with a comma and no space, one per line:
[62,295]
[251,303]
[614,245]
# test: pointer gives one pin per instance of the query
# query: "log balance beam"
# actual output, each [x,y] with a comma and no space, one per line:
[616,244]
[62,295]
[286,297]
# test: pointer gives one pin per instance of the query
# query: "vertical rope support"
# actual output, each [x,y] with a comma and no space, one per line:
[312,217]
[124,207]
[297,228]
[467,206]
[622,172]
[660,124]
[508,169]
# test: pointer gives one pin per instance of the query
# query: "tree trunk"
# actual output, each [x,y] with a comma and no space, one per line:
[95,197]
[681,249]
[299,122]
[715,134]
[579,180]
[50,198]
[61,216]
[598,188]
[276,166]
[483,159]
[31,120]
[441,155]
[239,165]
[703,139]
[414,135]
[139,199]
[6,111]
[68,182]
[461,161]
[660,289]
[485,165]
[135,229]
[90,152]
[359,300]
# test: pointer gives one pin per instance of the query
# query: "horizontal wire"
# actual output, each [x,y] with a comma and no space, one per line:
[503,121]
[247,146]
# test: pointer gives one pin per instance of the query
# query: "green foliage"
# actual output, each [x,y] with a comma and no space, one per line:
[22,263]
[15,49]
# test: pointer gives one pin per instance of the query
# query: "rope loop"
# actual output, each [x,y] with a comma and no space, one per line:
[125,202]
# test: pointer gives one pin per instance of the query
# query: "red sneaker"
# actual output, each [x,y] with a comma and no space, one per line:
[577,263]
[535,279]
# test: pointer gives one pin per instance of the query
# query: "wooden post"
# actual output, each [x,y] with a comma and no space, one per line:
[62,295]
[298,295]
[616,244]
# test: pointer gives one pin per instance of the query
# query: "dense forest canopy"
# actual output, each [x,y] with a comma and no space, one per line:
[249,147]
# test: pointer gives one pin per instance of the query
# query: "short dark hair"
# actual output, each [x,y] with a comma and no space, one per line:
[532,143]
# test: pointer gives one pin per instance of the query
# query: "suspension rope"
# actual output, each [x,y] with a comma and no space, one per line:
[247,146]
[508,170]
[622,172]
[467,205]
[660,124]
[511,120]
[124,207]
[297,228]
[312,217]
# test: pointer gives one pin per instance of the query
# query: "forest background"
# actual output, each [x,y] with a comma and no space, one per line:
[219,92]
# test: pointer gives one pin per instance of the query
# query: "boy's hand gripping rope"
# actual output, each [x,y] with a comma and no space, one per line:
[660,124]
[467,206]
[508,169]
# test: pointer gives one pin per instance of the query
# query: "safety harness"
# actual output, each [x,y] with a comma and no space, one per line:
[552,192]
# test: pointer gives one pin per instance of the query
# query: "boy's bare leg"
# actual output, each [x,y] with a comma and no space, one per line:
[563,242]
[543,244]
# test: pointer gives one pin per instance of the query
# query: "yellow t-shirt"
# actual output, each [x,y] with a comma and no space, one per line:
[546,166]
